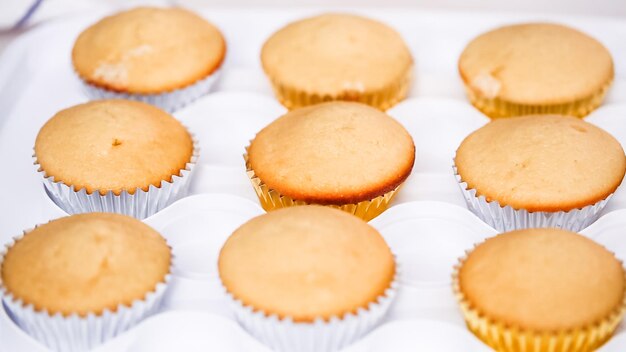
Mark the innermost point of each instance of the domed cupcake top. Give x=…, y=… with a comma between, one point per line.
x=542, y=280
x=86, y=263
x=333, y=153
x=148, y=50
x=306, y=262
x=113, y=145
x=536, y=63
x=331, y=54
x=541, y=162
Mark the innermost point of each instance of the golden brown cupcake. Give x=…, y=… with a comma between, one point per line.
x=120, y=148
x=323, y=273
x=337, y=57
x=148, y=51
x=536, y=68
x=80, y=280
x=539, y=171
x=541, y=290
x=343, y=154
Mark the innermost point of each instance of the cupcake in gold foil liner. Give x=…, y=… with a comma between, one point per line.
x=334, y=57
x=511, y=338
x=345, y=155
x=382, y=99
x=271, y=199
x=536, y=68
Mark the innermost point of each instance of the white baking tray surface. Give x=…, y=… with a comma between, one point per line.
x=428, y=226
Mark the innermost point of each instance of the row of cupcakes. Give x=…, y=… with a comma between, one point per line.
x=170, y=57
x=308, y=278
x=532, y=171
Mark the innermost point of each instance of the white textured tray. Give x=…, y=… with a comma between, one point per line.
x=428, y=226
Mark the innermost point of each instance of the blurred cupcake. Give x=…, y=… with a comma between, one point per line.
x=346, y=155
x=308, y=278
x=163, y=56
x=541, y=290
x=115, y=156
x=337, y=57
x=78, y=281
x=539, y=171
x=536, y=68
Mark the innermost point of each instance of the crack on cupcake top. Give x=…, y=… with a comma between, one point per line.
x=148, y=50
x=112, y=73
x=116, y=72
x=487, y=84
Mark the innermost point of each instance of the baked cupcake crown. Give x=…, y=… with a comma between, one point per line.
x=85, y=264
x=541, y=281
x=536, y=68
x=113, y=145
x=306, y=263
x=541, y=163
x=332, y=153
x=337, y=57
x=148, y=50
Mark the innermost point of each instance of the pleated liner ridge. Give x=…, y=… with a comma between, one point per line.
x=141, y=204
x=271, y=199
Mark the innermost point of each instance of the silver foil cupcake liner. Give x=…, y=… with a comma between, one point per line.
x=506, y=218
x=320, y=335
x=75, y=333
x=140, y=204
x=169, y=101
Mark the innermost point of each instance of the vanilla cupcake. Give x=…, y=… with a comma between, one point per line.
x=78, y=281
x=163, y=56
x=541, y=290
x=346, y=155
x=337, y=57
x=536, y=68
x=308, y=278
x=539, y=171
x=116, y=156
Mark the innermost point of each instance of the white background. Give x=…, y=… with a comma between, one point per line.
x=12, y=10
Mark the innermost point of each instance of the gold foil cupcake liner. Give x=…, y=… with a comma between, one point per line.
x=283, y=334
x=382, y=99
x=498, y=108
x=271, y=199
x=75, y=333
x=139, y=204
x=505, y=338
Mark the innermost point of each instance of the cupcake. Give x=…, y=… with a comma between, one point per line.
x=163, y=56
x=78, y=281
x=346, y=155
x=115, y=156
x=541, y=290
x=536, y=68
x=308, y=278
x=337, y=57
x=539, y=171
